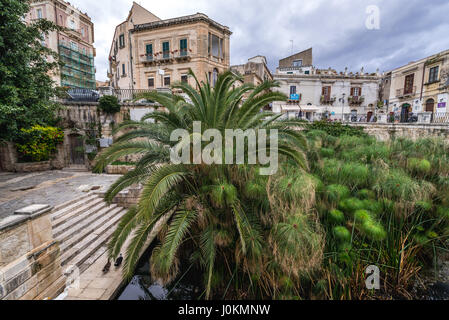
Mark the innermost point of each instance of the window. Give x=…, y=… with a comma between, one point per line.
x=408, y=86
x=121, y=39
x=292, y=90
x=149, y=51
x=167, y=81
x=307, y=72
x=61, y=22
x=82, y=32
x=215, y=46
x=433, y=74
x=297, y=63
x=184, y=78
x=215, y=77
x=123, y=70
x=39, y=13
x=183, y=47
x=150, y=82
x=356, y=92
x=72, y=24
x=166, y=49
x=326, y=92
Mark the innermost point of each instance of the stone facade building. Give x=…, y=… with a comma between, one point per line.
x=75, y=45
x=315, y=93
x=420, y=87
x=150, y=53
x=255, y=71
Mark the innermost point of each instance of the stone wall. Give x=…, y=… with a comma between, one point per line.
x=385, y=132
x=30, y=265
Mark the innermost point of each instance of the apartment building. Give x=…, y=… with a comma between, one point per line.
x=255, y=71
x=74, y=45
x=314, y=93
x=150, y=53
x=420, y=87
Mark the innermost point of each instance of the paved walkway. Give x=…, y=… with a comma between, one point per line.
x=18, y=190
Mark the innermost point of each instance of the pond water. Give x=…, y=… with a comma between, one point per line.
x=143, y=287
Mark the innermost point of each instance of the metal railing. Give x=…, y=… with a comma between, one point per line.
x=123, y=95
x=405, y=92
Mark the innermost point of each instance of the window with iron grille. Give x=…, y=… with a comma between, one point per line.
x=184, y=78
x=150, y=82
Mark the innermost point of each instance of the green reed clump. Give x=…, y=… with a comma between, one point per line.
x=337, y=192
x=336, y=216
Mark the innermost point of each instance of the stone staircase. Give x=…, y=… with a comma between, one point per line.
x=83, y=227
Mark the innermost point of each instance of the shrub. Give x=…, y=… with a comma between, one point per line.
x=362, y=216
x=336, y=129
x=109, y=104
x=38, y=143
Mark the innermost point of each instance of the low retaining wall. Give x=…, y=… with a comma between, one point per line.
x=119, y=169
x=385, y=132
x=30, y=265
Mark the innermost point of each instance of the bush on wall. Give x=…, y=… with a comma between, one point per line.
x=109, y=104
x=38, y=143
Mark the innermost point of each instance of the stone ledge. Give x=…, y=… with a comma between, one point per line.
x=22, y=215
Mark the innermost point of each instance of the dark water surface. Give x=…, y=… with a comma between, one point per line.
x=143, y=287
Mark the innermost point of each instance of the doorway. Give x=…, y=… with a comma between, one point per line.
x=430, y=105
x=76, y=149
x=369, y=116
x=405, y=112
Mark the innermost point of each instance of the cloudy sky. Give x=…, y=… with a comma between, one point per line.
x=336, y=29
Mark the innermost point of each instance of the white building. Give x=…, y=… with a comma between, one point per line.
x=316, y=93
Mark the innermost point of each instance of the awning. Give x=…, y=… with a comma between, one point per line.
x=291, y=108
x=300, y=108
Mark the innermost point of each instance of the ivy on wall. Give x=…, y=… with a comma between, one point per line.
x=38, y=143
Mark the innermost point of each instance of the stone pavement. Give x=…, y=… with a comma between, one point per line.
x=19, y=190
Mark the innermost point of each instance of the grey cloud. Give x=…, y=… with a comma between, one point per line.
x=410, y=29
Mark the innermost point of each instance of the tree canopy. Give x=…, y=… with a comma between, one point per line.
x=26, y=89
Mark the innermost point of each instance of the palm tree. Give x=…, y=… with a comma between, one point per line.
x=217, y=216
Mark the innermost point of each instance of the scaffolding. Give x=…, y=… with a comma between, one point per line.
x=78, y=70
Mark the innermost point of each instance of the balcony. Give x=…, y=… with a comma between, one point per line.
x=356, y=100
x=406, y=92
x=326, y=100
x=165, y=58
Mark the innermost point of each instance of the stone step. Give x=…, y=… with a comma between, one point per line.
x=83, y=250
x=73, y=214
x=88, y=226
x=71, y=225
x=71, y=202
x=58, y=213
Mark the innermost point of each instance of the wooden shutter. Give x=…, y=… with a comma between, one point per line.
x=352, y=92
x=360, y=91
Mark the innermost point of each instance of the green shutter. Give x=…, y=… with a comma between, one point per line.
x=166, y=46
x=149, y=49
